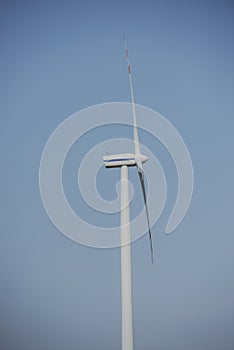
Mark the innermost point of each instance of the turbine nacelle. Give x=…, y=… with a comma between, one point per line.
x=118, y=160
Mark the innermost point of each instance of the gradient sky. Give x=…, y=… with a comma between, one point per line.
x=58, y=57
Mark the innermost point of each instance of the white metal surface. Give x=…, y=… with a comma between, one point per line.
x=126, y=273
x=117, y=160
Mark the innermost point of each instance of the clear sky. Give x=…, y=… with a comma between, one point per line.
x=58, y=57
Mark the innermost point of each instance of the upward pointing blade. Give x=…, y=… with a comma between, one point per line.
x=135, y=131
x=141, y=176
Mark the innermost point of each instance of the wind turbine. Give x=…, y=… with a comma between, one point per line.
x=124, y=161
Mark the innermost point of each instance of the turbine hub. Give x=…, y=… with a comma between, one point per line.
x=142, y=158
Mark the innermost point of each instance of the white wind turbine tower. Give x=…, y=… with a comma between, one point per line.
x=124, y=161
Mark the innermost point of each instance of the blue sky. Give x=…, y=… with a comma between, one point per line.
x=58, y=57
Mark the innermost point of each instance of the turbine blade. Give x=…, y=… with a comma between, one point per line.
x=141, y=176
x=135, y=130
